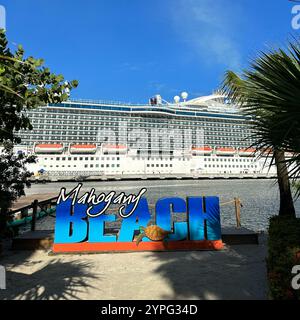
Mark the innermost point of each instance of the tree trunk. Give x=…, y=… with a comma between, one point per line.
x=286, y=200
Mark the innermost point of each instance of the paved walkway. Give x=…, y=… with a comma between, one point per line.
x=235, y=273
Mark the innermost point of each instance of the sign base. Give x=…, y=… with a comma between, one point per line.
x=143, y=246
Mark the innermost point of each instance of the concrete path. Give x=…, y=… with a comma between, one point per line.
x=235, y=273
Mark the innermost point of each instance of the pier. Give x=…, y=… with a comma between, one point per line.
x=86, y=176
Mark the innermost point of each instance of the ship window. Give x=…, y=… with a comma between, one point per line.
x=92, y=158
x=91, y=166
x=57, y=159
x=102, y=165
x=63, y=158
x=118, y=166
x=107, y=166
x=80, y=158
x=69, y=159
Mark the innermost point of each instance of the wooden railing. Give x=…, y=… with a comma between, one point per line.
x=237, y=206
x=44, y=205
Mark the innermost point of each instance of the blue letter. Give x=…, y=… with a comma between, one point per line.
x=200, y=212
x=139, y=218
x=70, y=228
x=163, y=217
x=96, y=229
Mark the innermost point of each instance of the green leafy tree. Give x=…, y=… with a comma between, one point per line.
x=269, y=92
x=25, y=83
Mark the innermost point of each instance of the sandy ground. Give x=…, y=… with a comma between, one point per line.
x=238, y=272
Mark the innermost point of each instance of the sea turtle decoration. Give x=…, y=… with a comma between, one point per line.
x=153, y=233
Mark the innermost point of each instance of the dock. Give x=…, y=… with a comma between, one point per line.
x=87, y=176
x=28, y=200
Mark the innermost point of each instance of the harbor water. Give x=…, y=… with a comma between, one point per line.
x=260, y=198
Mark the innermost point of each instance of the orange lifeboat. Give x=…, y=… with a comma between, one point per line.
x=225, y=151
x=83, y=148
x=114, y=149
x=48, y=148
x=198, y=151
x=289, y=154
x=247, y=152
x=267, y=153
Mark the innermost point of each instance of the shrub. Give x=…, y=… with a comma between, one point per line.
x=283, y=254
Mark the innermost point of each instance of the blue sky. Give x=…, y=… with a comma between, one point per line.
x=129, y=50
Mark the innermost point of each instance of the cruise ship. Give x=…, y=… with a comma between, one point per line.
x=198, y=137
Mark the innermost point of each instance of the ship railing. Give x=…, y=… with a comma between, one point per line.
x=107, y=102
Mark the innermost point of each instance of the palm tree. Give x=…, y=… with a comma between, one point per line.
x=269, y=93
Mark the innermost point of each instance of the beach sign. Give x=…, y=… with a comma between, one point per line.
x=81, y=223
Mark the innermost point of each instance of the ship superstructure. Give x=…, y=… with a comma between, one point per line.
x=206, y=135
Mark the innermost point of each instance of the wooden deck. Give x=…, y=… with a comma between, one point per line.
x=44, y=239
x=27, y=200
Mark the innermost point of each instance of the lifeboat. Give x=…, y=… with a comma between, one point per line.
x=247, y=152
x=198, y=151
x=114, y=149
x=83, y=148
x=288, y=154
x=267, y=153
x=48, y=148
x=225, y=151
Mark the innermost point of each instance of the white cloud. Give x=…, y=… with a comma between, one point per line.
x=208, y=27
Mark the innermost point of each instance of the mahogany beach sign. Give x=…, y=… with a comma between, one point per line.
x=81, y=223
